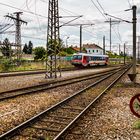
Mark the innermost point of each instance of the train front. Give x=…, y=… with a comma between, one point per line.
x=77, y=60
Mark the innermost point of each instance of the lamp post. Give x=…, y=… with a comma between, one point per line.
x=67, y=41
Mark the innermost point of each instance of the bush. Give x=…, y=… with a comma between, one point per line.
x=6, y=65
x=39, y=53
x=136, y=124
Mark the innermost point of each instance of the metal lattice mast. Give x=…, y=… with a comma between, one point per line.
x=52, y=39
x=18, y=21
x=18, y=35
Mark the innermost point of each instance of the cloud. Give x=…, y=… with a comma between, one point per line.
x=37, y=26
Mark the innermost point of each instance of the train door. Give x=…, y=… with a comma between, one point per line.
x=106, y=60
x=85, y=61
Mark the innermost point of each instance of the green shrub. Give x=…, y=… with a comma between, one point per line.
x=136, y=124
x=6, y=65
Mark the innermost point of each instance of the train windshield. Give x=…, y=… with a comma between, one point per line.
x=77, y=57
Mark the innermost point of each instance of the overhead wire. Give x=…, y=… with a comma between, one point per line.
x=129, y=3
x=103, y=14
x=71, y=13
x=98, y=9
x=37, y=16
x=100, y=6
x=29, y=12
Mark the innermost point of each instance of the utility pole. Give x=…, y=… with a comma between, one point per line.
x=111, y=23
x=53, y=40
x=81, y=27
x=134, y=8
x=18, y=21
x=110, y=34
x=103, y=45
x=67, y=41
x=119, y=49
x=80, y=38
x=124, y=54
x=138, y=48
x=119, y=53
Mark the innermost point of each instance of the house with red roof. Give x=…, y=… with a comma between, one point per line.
x=93, y=49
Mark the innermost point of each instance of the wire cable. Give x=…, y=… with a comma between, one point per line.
x=129, y=3
x=29, y=12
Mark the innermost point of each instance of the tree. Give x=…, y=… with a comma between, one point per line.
x=25, y=49
x=39, y=53
x=28, y=48
x=6, y=48
x=121, y=54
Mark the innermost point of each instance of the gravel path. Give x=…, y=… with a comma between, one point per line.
x=9, y=83
x=111, y=119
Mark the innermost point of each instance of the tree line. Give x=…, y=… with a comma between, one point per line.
x=39, y=52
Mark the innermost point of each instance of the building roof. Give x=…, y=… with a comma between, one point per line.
x=92, y=46
x=76, y=49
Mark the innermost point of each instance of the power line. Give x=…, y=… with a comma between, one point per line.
x=118, y=18
x=98, y=9
x=26, y=36
x=100, y=6
x=103, y=14
x=129, y=3
x=29, y=12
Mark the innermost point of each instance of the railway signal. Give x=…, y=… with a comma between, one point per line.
x=135, y=105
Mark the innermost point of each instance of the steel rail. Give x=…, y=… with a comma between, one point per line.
x=71, y=124
x=55, y=81
x=22, y=73
x=46, y=86
x=34, y=119
x=30, y=72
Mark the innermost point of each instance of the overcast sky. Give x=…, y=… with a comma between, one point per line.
x=36, y=29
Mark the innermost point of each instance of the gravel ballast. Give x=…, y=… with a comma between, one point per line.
x=9, y=83
x=111, y=118
x=17, y=110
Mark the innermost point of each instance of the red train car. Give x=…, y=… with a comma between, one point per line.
x=85, y=60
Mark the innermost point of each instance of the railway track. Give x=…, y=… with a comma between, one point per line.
x=56, y=121
x=49, y=85
x=22, y=73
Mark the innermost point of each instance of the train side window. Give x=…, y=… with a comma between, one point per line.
x=95, y=58
x=77, y=57
x=89, y=58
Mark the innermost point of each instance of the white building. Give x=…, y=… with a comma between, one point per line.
x=93, y=49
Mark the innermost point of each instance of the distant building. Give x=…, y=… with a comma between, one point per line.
x=93, y=49
x=75, y=48
x=28, y=56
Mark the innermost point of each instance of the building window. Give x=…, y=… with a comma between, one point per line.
x=96, y=50
x=89, y=51
x=93, y=51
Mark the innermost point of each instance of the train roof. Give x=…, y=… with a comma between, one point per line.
x=87, y=54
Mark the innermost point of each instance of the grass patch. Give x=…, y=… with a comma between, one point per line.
x=136, y=124
x=119, y=85
x=6, y=66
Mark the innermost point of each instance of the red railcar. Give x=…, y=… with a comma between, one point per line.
x=85, y=60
